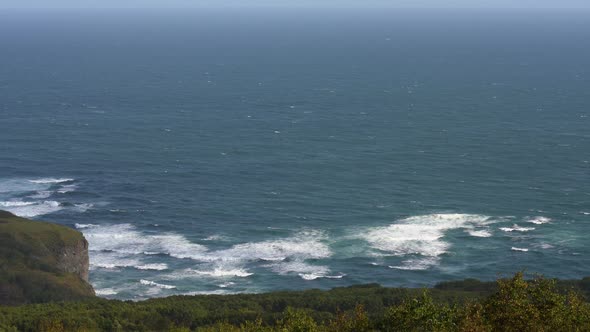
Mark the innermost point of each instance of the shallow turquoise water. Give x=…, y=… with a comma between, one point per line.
x=222, y=152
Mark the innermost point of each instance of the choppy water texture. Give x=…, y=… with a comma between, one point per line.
x=248, y=151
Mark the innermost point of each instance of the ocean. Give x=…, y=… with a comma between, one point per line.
x=250, y=150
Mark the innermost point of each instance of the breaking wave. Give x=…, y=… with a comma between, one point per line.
x=51, y=180
x=539, y=220
x=155, y=284
x=516, y=228
x=423, y=236
x=31, y=209
x=36, y=197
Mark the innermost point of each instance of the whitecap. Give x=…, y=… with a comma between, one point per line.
x=303, y=245
x=156, y=266
x=539, y=220
x=422, y=235
x=41, y=194
x=83, y=207
x=417, y=264
x=80, y=226
x=301, y=268
x=15, y=203
x=125, y=239
x=516, y=228
x=31, y=209
x=519, y=249
x=214, y=238
x=50, y=180
x=20, y=186
x=216, y=272
x=155, y=284
x=111, y=260
x=213, y=292
x=67, y=188
x=309, y=276
x=479, y=233
x=105, y=292
x=226, y=284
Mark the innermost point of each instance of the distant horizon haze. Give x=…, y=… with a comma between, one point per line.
x=175, y=4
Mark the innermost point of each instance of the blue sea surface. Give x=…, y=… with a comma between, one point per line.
x=212, y=151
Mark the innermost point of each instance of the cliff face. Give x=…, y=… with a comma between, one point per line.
x=41, y=262
x=74, y=259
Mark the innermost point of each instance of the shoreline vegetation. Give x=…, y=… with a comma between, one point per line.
x=510, y=304
x=43, y=287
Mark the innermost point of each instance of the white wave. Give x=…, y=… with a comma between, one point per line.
x=214, y=238
x=122, y=245
x=213, y=292
x=215, y=272
x=422, y=235
x=155, y=284
x=112, y=260
x=516, y=228
x=301, y=268
x=155, y=266
x=479, y=232
x=303, y=245
x=80, y=226
x=50, y=180
x=31, y=209
x=417, y=264
x=67, y=188
x=15, y=203
x=312, y=276
x=42, y=194
x=105, y=292
x=586, y=213
x=19, y=186
x=226, y=284
x=83, y=207
x=539, y=220
x=519, y=249
x=125, y=239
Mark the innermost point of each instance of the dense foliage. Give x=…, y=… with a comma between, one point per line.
x=512, y=304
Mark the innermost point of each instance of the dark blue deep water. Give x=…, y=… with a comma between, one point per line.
x=254, y=150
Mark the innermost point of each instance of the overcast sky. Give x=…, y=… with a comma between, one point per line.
x=295, y=3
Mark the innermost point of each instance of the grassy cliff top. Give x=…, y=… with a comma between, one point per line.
x=45, y=236
x=31, y=256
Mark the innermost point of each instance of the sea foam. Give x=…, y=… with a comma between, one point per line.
x=51, y=180
x=539, y=220
x=421, y=235
x=155, y=284
x=424, y=236
x=31, y=209
x=516, y=228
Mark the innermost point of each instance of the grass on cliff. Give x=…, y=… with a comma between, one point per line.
x=29, y=253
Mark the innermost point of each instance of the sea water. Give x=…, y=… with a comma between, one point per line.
x=226, y=151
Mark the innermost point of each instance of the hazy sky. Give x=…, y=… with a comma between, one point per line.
x=295, y=3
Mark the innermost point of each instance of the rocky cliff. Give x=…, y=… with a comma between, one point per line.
x=41, y=262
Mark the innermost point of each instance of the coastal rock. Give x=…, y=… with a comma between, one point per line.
x=74, y=259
